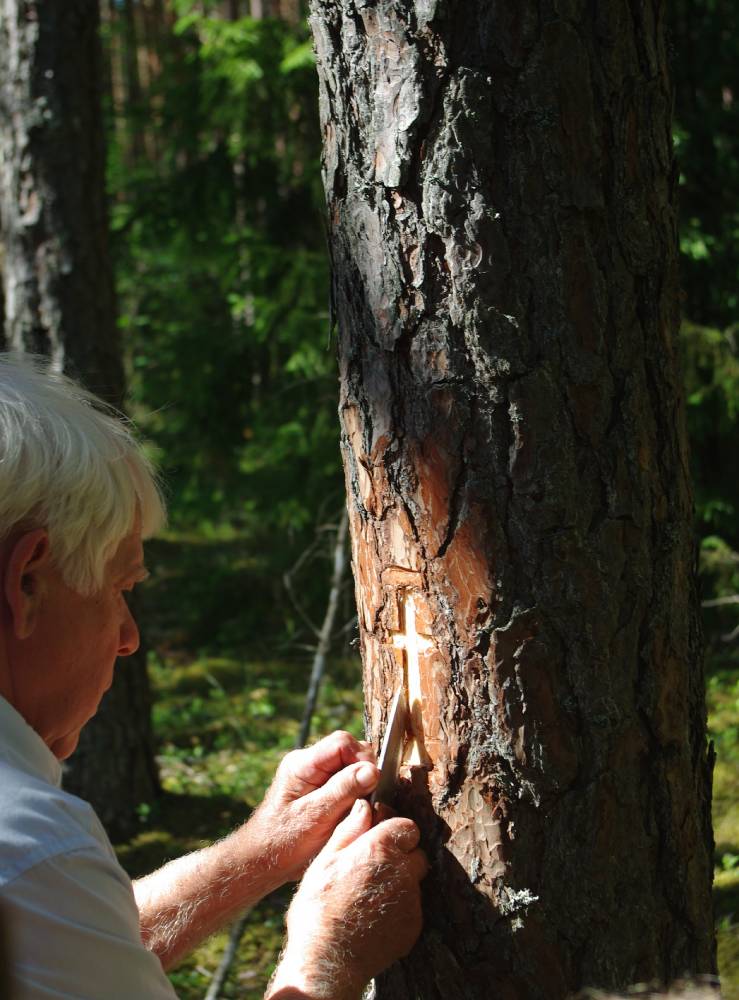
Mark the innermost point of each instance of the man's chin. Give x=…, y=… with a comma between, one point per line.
x=66, y=745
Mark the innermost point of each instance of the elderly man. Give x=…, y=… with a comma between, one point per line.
x=76, y=498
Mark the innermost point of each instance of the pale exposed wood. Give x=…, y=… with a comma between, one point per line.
x=413, y=646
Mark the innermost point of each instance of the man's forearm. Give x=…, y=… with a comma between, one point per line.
x=302, y=977
x=190, y=898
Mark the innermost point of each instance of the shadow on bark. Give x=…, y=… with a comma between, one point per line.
x=450, y=901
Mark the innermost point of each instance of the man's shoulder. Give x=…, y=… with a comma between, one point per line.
x=39, y=821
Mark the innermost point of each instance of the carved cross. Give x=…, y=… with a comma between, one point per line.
x=412, y=642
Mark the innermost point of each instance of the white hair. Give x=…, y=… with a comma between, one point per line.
x=70, y=464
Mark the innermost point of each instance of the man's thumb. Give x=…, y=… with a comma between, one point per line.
x=352, y=826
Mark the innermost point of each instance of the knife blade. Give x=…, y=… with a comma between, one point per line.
x=392, y=749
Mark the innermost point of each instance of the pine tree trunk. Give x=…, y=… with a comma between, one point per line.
x=59, y=300
x=501, y=201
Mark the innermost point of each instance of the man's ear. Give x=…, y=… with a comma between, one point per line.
x=23, y=582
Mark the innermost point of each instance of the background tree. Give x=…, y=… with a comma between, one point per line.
x=501, y=197
x=59, y=301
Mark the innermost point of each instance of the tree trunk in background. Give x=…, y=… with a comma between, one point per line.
x=501, y=201
x=133, y=103
x=259, y=9
x=59, y=301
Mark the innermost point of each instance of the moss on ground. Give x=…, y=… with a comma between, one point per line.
x=723, y=700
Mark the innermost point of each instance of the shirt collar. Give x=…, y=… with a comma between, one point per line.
x=23, y=747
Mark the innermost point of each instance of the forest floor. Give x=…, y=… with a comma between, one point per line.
x=223, y=718
x=723, y=721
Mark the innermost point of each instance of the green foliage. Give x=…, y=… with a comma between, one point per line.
x=723, y=701
x=706, y=40
x=222, y=278
x=706, y=49
x=711, y=365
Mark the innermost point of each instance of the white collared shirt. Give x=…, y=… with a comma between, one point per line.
x=67, y=905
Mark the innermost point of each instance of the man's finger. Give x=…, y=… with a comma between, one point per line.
x=340, y=791
x=418, y=864
x=352, y=826
x=398, y=832
x=315, y=765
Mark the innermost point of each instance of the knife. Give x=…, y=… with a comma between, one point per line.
x=392, y=749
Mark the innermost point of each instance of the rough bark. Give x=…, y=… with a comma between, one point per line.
x=501, y=201
x=59, y=301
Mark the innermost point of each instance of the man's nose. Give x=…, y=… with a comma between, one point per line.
x=129, y=635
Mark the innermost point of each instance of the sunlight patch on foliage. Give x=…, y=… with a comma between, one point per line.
x=723, y=700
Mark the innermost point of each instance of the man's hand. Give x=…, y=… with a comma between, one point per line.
x=357, y=910
x=195, y=895
x=312, y=791
x=191, y=897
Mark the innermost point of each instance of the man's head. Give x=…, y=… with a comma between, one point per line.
x=70, y=465
x=76, y=497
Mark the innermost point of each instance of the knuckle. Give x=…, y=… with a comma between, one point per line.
x=403, y=827
x=342, y=736
x=388, y=831
x=402, y=833
x=373, y=853
x=288, y=761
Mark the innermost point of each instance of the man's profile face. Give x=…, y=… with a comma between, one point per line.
x=57, y=674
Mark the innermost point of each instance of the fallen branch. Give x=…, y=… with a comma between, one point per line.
x=227, y=958
x=718, y=602
x=327, y=628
